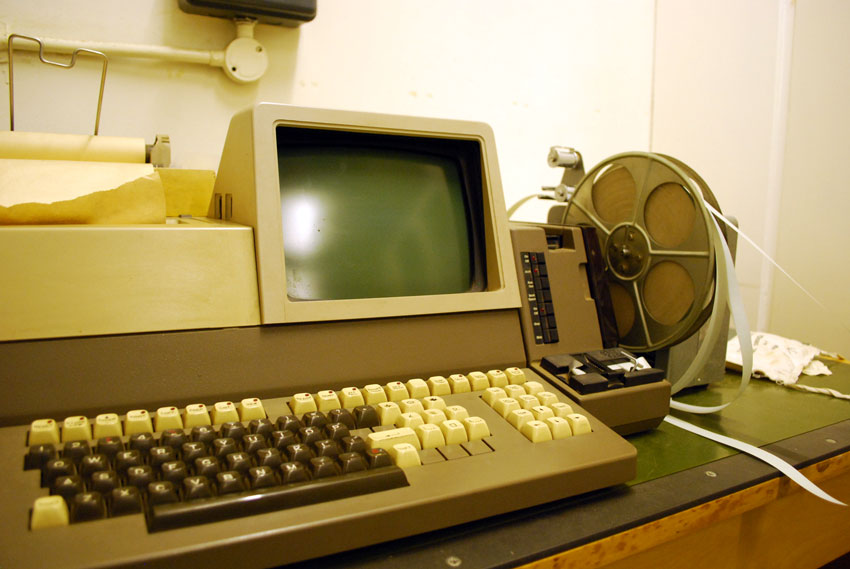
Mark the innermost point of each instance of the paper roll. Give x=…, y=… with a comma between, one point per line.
x=43, y=146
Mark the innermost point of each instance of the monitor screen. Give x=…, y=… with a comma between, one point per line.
x=366, y=215
x=369, y=216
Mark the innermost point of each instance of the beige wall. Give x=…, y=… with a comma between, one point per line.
x=813, y=237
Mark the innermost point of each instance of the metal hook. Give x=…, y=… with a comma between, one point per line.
x=68, y=65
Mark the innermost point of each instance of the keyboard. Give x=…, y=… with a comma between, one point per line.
x=261, y=483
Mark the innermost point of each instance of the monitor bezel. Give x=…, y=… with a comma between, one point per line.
x=248, y=172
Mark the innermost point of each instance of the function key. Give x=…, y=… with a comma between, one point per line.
x=459, y=383
x=107, y=425
x=76, y=429
x=327, y=399
x=396, y=391
x=417, y=388
x=196, y=415
x=44, y=432
x=515, y=375
x=478, y=381
x=302, y=403
x=251, y=408
x=351, y=397
x=167, y=418
x=374, y=394
x=137, y=421
x=497, y=378
x=438, y=385
x=224, y=412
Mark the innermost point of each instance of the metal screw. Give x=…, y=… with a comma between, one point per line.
x=711, y=474
x=453, y=561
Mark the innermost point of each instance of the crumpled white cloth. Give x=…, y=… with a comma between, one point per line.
x=780, y=359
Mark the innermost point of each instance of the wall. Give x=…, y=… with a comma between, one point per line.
x=541, y=73
x=813, y=240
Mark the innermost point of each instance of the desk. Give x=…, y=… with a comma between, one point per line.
x=694, y=503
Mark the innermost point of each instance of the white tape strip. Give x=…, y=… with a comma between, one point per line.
x=758, y=453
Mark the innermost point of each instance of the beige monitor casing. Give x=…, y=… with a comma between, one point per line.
x=247, y=186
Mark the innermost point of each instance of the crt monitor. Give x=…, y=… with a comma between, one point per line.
x=363, y=215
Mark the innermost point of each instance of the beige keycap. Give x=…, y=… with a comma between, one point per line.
x=430, y=435
x=515, y=376
x=302, y=403
x=533, y=387
x=435, y=416
x=374, y=394
x=456, y=412
x=106, y=425
x=536, y=431
x=434, y=402
x=327, y=400
x=515, y=391
x=493, y=394
x=196, y=415
x=386, y=439
x=411, y=406
x=528, y=401
x=560, y=427
x=497, y=378
x=224, y=412
x=137, y=421
x=167, y=418
x=519, y=417
x=459, y=383
x=453, y=431
x=409, y=420
x=351, y=397
x=546, y=397
x=405, y=455
x=251, y=408
x=478, y=381
x=396, y=391
x=76, y=428
x=505, y=405
x=561, y=409
x=48, y=512
x=417, y=388
x=439, y=385
x=44, y=432
x=578, y=423
x=476, y=428
x=388, y=412
x=541, y=412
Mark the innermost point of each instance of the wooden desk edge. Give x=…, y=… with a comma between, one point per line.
x=653, y=534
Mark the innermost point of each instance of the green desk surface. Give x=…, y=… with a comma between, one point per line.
x=765, y=413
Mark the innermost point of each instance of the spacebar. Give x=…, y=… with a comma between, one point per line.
x=229, y=506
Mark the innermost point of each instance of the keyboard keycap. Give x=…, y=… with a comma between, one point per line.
x=49, y=511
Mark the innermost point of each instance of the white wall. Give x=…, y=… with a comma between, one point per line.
x=540, y=73
x=813, y=238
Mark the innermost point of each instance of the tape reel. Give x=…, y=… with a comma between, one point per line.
x=654, y=232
